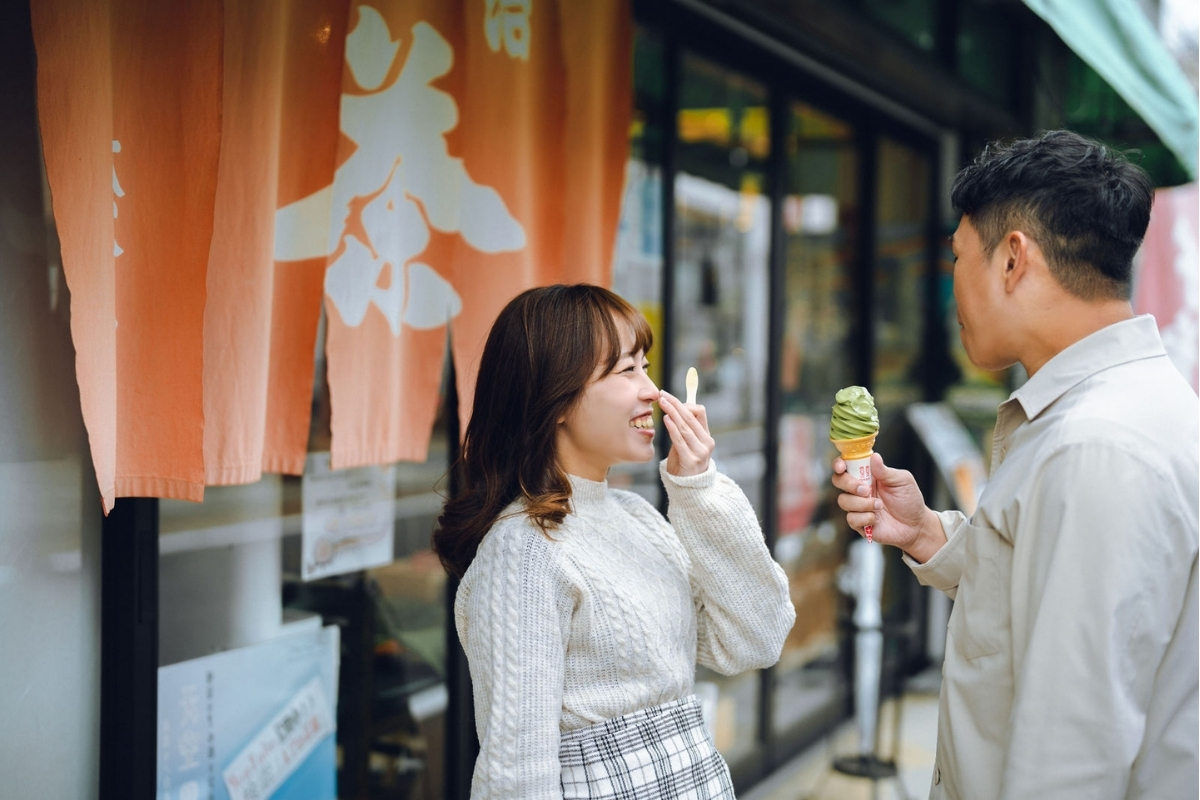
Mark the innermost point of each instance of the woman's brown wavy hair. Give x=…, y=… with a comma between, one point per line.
x=541, y=353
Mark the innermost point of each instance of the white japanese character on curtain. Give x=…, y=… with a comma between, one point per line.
x=400, y=181
x=506, y=23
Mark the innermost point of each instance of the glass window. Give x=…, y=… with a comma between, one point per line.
x=902, y=226
x=901, y=263
x=820, y=214
x=230, y=576
x=638, y=257
x=720, y=305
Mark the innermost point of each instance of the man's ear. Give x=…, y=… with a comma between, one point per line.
x=1018, y=251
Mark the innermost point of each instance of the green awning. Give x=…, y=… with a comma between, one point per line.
x=1116, y=39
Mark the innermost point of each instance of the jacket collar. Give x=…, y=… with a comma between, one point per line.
x=1129, y=340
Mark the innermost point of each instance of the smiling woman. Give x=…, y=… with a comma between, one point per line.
x=583, y=611
x=613, y=421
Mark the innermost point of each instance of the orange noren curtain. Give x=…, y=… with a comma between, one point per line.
x=220, y=170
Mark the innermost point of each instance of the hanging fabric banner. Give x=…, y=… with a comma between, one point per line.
x=482, y=153
x=131, y=126
x=545, y=120
x=216, y=169
x=308, y=146
x=283, y=67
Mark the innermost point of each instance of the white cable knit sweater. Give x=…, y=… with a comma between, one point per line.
x=609, y=617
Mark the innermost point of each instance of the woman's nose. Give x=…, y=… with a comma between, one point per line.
x=649, y=391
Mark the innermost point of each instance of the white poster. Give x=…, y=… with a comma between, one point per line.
x=348, y=518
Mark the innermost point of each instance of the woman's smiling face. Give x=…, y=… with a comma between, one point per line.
x=613, y=422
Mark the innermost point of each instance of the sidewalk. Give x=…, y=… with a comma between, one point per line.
x=810, y=775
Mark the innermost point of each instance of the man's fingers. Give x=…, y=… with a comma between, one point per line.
x=852, y=484
x=858, y=521
x=846, y=482
x=884, y=474
x=854, y=503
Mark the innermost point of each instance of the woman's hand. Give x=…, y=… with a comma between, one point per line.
x=691, y=443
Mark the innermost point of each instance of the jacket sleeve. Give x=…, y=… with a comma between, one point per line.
x=1098, y=589
x=743, y=607
x=513, y=614
x=944, y=570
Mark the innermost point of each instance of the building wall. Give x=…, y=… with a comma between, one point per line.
x=49, y=508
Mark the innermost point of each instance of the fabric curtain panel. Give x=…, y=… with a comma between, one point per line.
x=218, y=171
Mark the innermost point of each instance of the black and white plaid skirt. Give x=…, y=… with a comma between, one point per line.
x=660, y=752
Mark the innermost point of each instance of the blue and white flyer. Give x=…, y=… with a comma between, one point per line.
x=255, y=723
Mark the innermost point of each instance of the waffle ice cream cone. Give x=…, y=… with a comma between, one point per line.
x=857, y=455
x=854, y=449
x=854, y=412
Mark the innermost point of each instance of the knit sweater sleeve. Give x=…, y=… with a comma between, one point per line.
x=513, y=612
x=743, y=606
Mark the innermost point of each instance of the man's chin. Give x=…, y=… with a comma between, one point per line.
x=989, y=364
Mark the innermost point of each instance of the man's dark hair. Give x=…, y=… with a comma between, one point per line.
x=1084, y=203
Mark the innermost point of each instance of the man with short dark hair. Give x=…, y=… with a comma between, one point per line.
x=1071, y=664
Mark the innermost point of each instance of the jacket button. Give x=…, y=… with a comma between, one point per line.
x=937, y=776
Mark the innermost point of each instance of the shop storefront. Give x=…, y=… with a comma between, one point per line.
x=782, y=226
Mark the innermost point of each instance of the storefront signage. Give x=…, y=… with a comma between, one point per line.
x=251, y=723
x=279, y=748
x=348, y=518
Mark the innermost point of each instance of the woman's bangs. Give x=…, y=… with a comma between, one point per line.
x=642, y=335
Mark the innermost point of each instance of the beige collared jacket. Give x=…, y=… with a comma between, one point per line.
x=1071, y=661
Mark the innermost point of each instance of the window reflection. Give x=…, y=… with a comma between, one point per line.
x=720, y=308
x=820, y=219
x=638, y=255
x=901, y=264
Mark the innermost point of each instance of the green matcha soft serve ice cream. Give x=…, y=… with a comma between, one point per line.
x=854, y=414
